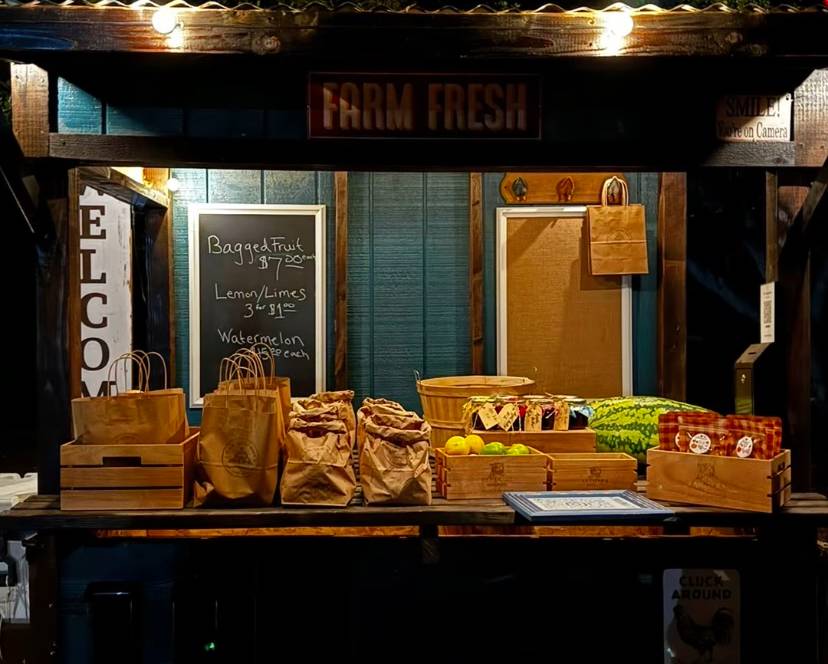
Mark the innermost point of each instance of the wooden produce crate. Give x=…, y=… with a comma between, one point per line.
x=757, y=485
x=575, y=440
x=127, y=477
x=484, y=476
x=591, y=471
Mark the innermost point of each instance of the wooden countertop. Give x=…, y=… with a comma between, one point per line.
x=42, y=513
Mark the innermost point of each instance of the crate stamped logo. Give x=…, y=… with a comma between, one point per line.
x=497, y=474
x=706, y=479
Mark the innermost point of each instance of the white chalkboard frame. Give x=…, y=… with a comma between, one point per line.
x=316, y=213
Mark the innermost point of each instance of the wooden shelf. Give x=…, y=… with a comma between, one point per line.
x=42, y=513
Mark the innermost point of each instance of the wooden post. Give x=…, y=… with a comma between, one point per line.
x=341, y=260
x=73, y=308
x=476, y=271
x=672, y=288
x=58, y=328
x=153, y=286
x=771, y=227
x=30, y=109
x=794, y=321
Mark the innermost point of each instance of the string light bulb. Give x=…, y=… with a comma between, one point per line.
x=164, y=20
x=173, y=185
x=619, y=23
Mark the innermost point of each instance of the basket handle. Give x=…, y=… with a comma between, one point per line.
x=416, y=376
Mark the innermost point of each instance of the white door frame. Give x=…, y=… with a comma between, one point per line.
x=558, y=212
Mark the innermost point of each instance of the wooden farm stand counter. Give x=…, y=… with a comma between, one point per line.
x=783, y=545
x=806, y=511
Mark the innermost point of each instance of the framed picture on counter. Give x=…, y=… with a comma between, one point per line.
x=574, y=506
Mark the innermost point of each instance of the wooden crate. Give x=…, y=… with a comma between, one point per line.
x=484, y=476
x=127, y=477
x=590, y=471
x=576, y=440
x=757, y=485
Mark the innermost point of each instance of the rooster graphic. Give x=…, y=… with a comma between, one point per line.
x=704, y=638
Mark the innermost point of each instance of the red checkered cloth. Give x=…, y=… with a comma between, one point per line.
x=704, y=433
x=755, y=437
x=668, y=428
x=745, y=436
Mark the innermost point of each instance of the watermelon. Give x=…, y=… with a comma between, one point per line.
x=630, y=424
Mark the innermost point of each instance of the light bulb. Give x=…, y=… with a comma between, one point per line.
x=164, y=20
x=618, y=23
x=173, y=185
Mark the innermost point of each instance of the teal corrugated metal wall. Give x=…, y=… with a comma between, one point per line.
x=407, y=281
x=407, y=270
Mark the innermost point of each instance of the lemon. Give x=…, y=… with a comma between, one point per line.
x=456, y=446
x=475, y=443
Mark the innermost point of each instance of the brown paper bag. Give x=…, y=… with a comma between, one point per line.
x=369, y=407
x=260, y=379
x=617, y=234
x=135, y=417
x=394, y=462
x=318, y=469
x=342, y=399
x=238, y=448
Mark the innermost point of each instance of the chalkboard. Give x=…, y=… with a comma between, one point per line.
x=257, y=275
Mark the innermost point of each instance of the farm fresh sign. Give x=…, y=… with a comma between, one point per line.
x=423, y=106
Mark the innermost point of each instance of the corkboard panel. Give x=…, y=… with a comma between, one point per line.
x=563, y=324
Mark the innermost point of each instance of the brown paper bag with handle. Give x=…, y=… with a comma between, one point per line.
x=318, y=468
x=238, y=449
x=617, y=234
x=241, y=433
x=243, y=373
x=394, y=463
x=132, y=417
x=270, y=380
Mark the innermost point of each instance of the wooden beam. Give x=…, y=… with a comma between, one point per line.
x=42, y=556
x=765, y=155
x=811, y=119
x=73, y=263
x=672, y=288
x=771, y=227
x=815, y=200
x=476, y=322
x=30, y=108
x=444, y=36
x=794, y=314
x=341, y=285
x=124, y=188
x=476, y=155
x=152, y=287
x=54, y=334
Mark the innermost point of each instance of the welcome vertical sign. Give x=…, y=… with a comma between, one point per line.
x=105, y=289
